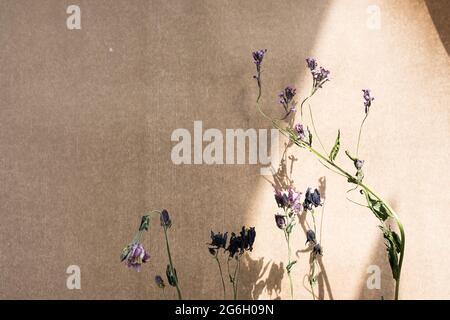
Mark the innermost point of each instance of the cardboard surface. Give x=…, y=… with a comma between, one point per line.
x=86, y=118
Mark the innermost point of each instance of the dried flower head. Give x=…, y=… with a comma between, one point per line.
x=136, y=256
x=310, y=237
x=286, y=98
x=320, y=75
x=258, y=56
x=280, y=221
x=300, y=131
x=288, y=200
x=358, y=164
x=312, y=199
x=367, y=99
x=165, y=219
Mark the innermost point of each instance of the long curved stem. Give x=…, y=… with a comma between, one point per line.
x=172, y=270
x=291, y=284
x=314, y=128
x=359, y=134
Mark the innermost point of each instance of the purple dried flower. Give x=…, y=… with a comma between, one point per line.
x=311, y=63
x=312, y=199
x=280, y=221
x=358, y=164
x=160, y=282
x=136, y=256
x=300, y=131
x=320, y=76
x=289, y=199
x=258, y=56
x=310, y=237
x=165, y=219
x=286, y=97
x=367, y=99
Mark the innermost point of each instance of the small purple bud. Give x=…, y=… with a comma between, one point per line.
x=165, y=219
x=280, y=221
x=160, y=282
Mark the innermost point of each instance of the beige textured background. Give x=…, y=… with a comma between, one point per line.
x=85, y=140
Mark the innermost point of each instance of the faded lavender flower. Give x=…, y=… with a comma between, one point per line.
x=358, y=164
x=258, y=57
x=160, y=282
x=300, y=131
x=286, y=98
x=312, y=199
x=165, y=219
x=367, y=99
x=311, y=63
x=289, y=199
x=136, y=256
x=280, y=221
x=310, y=237
x=320, y=75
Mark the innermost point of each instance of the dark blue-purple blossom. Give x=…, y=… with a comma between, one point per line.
x=367, y=99
x=165, y=219
x=312, y=199
x=320, y=75
x=244, y=241
x=280, y=221
x=248, y=236
x=310, y=237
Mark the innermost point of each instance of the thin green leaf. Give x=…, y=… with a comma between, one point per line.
x=334, y=152
x=290, y=265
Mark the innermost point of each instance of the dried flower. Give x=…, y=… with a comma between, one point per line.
x=280, y=221
x=312, y=199
x=310, y=237
x=317, y=250
x=286, y=97
x=358, y=164
x=311, y=63
x=136, y=256
x=320, y=76
x=367, y=99
x=218, y=240
x=300, y=131
x=160, y=282
x=288, y=200
x=165, y=219
x=258, y=56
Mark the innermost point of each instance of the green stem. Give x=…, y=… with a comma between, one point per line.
x=172, y=270
x=359, y=134
x=221, y=276
x=291, y=284
x=315, y=130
